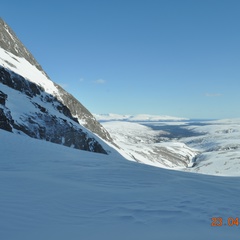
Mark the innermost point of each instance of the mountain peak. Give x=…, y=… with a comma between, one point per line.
x=10, y=42
x=31, y=104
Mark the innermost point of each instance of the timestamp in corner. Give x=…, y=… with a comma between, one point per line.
x=219, y=222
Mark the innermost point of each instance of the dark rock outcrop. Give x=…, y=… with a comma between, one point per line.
x=10, y=43
x=42, y=123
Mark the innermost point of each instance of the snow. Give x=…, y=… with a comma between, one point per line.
x=219, y=146
x=140, y=143
x=22, y=67
x=24, y=106
x=215, y=148
x=52, y=192
x=9, y=33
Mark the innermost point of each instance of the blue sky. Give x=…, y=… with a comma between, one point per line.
x=163, y=57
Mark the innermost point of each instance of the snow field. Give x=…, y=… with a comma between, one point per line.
x=53, y=192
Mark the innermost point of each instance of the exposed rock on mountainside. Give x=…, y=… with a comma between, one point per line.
x=31, y=104
x=10, y=42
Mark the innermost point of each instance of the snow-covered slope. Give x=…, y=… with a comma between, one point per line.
x=31, y=104
x=49, y=191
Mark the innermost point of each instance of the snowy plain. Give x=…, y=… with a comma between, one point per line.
x=49, y=191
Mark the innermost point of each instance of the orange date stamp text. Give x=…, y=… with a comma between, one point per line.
x=219, y=222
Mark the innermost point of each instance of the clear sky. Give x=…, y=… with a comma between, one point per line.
x=163, y=57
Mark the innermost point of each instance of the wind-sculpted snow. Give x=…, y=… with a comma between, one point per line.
x=49, y=191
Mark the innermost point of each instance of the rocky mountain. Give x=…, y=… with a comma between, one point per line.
x=10, y=42
x=31, y=104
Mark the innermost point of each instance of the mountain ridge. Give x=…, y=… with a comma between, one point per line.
x=20, y=72
x=10, y=42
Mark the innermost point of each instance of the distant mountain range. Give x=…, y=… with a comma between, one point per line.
x=136, y=118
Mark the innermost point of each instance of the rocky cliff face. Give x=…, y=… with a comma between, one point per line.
x=31, y=104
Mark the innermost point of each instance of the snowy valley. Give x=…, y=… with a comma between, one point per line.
x=201, y=146
x=68, y=174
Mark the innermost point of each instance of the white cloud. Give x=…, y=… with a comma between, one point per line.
x=100, y=81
